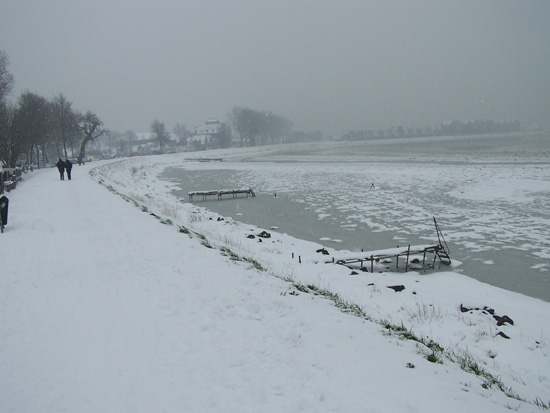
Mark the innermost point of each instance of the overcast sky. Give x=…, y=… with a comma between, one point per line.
x=326, y=65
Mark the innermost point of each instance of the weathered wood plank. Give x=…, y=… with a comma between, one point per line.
x=220, y=193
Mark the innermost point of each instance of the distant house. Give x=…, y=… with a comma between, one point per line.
x=213, y=134
x=146, y=144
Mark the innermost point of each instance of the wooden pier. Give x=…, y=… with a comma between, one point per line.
x=209, y=159
x=369, y=260
x=220, y=193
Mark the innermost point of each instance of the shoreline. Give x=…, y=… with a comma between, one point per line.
x=429, y=304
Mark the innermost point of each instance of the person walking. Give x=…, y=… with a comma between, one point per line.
x=61, y=168
x=68, y=168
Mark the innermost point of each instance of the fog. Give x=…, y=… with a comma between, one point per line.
x=332, y=66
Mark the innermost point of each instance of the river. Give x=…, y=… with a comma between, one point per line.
x=490, y=195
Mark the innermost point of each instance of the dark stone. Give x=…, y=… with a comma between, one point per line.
x=264, y=234
x=500, y=333
x=489, y=310
x=396, y=288
x=464, y=309
x=251, y=236
x=503, y=320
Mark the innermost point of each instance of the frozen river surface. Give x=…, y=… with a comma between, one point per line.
x=490, y=195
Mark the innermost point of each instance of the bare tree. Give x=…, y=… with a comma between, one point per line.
x=160, y=133
x=33, y=123
x=10, y=145
x=252, y=125
x=181, y=132
x=112, y=138
x=6, y=112
x=131, y=137
x=92, y=128
x=6, y=78
x=65, y=123
x=224, y=136
x=245, y=122
x=275, y=127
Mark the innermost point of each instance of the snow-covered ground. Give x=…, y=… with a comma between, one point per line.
x=115, y=296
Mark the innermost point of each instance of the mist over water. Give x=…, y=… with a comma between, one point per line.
x=490, y=196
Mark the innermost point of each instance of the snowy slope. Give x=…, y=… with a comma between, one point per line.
x=105, y=307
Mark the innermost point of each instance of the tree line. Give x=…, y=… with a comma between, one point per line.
x=259, y=127
x=454, y=128
x=37, y=127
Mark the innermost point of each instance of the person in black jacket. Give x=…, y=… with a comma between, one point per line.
x=61, y=168
x=68, y=167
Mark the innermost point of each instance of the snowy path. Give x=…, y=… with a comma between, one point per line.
x=102, y=308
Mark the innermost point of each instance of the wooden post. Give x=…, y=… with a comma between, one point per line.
x=300, y=259
x=397, y=260
x=407, y=264
x=371, y=264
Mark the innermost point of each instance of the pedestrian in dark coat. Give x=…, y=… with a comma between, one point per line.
x=68, y=167
x=61, y=168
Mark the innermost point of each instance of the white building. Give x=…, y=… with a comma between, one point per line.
x=210, y=135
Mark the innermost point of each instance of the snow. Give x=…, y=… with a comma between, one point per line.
x=115, y=296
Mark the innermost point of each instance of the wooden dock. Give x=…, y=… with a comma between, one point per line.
x=371, y=259
x=368, y=260
x=220, y=193
x=209, y=159
x=203, y=160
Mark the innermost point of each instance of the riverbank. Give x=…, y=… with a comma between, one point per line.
x=430, y=304
x=122, y=298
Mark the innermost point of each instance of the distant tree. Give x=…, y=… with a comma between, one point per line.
x=241, y=119
x=10, y=145
x=224, y=136
x=274, y=127
x=6, y=78
x=130, y=139
x=112, y=138
x=160, y=133
x=316, y=136
x=7, y=138
x=181, y=132
x=252, y=125
x=91, y=127
x=399, y=131
x=65, y=122
x=33, y=122
x=297, y=136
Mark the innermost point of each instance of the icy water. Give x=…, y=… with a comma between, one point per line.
x=490, y=195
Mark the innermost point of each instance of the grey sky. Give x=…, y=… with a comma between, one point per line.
x=332, y=66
